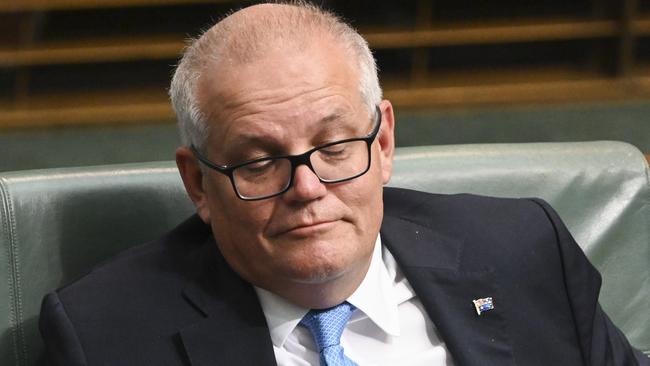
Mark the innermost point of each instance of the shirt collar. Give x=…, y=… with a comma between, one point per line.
x=377, y=297
x=282, y=316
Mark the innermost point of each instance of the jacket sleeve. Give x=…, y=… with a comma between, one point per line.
x=62, y=346
x=601, y=342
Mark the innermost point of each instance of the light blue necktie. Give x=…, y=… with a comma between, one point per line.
x=327, y=326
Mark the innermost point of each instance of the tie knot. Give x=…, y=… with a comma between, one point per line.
x=326, y=325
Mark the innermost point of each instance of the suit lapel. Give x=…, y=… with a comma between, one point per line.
x=431, y=263
x=234, y=329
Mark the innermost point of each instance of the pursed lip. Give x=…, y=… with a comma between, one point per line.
x=307, y=226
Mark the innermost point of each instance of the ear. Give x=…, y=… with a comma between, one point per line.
x=192, y=176
x=386, y=140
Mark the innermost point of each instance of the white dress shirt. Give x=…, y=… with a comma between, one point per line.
x=389, y=327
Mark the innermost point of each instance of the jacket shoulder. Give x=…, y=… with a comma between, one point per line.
x=130, y=304
x=407, y=202
x=165, y=252
x=492, y=230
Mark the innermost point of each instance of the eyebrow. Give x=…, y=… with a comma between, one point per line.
x=265, y=145
x=271, y=146
x=334, y=116
x=336, y=123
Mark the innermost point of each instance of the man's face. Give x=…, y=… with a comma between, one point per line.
x=287, y=103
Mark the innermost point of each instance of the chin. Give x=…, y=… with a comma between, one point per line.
x=324, y=259
x=316, y=271
x=317, y=279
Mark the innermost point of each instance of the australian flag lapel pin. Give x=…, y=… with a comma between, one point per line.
x=483, y=305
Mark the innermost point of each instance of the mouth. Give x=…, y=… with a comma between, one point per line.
x=307, y=229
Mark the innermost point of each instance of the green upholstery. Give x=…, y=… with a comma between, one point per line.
x=56, y=224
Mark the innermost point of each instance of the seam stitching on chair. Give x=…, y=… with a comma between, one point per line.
x=646, y=169
x=646, y=210
x=15, y=306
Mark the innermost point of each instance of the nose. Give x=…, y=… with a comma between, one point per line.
x=306, y=186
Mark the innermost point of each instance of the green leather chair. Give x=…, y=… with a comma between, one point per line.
x=56, y=224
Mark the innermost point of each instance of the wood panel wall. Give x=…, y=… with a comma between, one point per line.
x=68, y=62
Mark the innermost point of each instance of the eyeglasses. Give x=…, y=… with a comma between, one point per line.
x=334, y=162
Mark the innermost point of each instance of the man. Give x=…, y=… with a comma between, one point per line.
x=286, y=147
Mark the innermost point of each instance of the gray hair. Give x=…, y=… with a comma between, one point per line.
x=239, y=37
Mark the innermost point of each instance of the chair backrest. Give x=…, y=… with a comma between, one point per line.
x=57, y=223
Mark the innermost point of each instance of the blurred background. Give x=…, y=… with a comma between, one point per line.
x=83, y=82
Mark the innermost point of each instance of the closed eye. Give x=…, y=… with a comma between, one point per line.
x=333, y=150
x=257, y=167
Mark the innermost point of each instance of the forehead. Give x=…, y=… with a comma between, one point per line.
x=290, y=93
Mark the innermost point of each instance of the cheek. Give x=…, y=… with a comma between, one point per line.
x=241, y=221
x=365, y=199
x=238, y=233
x=230, y=211
x=236, y=224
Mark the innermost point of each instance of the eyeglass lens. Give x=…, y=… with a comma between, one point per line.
x=332, y=163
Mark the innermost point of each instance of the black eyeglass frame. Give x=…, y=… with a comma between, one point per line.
x=295, y=160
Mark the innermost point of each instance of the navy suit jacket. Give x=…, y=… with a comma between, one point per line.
x=175, y=301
